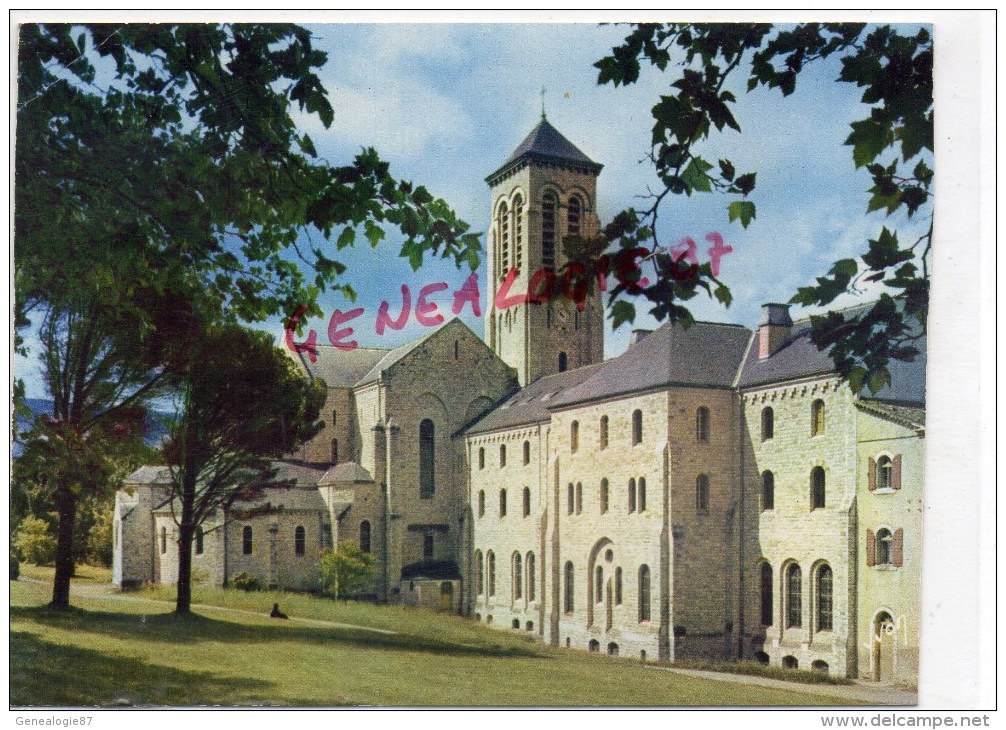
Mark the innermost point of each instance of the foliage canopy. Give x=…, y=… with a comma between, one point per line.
x=894, y=142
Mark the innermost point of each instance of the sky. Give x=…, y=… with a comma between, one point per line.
x=446, y=104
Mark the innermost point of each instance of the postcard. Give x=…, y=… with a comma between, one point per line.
x=435, y=362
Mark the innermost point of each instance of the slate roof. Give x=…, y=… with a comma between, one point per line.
x=341, y=368
x=348, y=471
x=546, y=144
x=150, y=475
x=529, y=405
x=706, y=354
x=302, y=495
x=798, y=357
x=908, y=416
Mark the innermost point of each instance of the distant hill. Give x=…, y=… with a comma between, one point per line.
x=154, y=427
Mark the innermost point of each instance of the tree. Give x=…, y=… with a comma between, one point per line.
x=242, y=403
x=35, y=542
x=99, y=379
x=157, y=170
x=347, y=570
x=894, y=142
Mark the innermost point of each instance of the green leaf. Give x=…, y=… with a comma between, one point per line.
x=346, y=238
x=727, y=170
x=695, y=175
x=744, y=210
x=374, y=233
x=622, y=312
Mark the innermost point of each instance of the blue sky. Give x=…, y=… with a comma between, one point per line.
x=446, y=104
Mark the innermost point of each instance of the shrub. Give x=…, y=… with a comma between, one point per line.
x=346, y=570
x=35, y=542
x=244, y=582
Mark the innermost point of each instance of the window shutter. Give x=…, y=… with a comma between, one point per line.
x=896, y=472
x=871, y=547
x=899, y=547
x=872, y=481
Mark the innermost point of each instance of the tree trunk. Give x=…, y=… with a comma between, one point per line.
x=67, y=509
x=186, y=529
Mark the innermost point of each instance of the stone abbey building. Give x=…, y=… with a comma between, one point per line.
x=714, y=491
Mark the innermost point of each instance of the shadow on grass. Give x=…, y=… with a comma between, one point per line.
x=45, y=674
x=170, y=628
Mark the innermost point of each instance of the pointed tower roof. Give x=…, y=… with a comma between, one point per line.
x=545, y=144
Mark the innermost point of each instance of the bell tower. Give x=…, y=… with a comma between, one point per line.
x=546, y=190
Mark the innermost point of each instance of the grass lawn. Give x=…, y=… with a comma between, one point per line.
x=113, y=646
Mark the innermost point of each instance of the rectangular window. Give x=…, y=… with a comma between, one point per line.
x=428, y=547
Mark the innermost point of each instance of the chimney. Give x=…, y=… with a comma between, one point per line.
x=773, y=328
x=638, y=336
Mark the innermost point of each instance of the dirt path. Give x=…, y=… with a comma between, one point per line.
x=104, y=592
x=874, y=694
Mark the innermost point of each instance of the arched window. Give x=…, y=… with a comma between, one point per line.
x=574, y=209
x=618, y=586
x=530, y=577
x=548, y=205
x=767, y=490
x=885, y=541
x=427, y=458
x=604, y=496
x=568, y=585
x=491, y=569
x=817, y=488
x=482, y=502
x=518, y=578
x=702, y=493
x=824, y=602
x=644, y=593
x=335, y=451
x=570, y=498
x=527, y=501
x=767, y=423
x=766, y=594
x=885, y=473
x=641, y=494
x=632, y=495
x=637, y=427
x=702, y=424
x=199, y=540
x=790, y=662
x=603, y=432
x=817, y=417
x=480, y=577
x=563, y=362
x=598, y=584
x=518, y=231
x=299, y=540
x=482, y=457
x=579, y=497
x=794, y=607
x=502, y=455
x=527, y=452
x=504, y=229
x=246, y=540
x=164, y=540
x=365, y=536
x=502, y=503
x=574, y=436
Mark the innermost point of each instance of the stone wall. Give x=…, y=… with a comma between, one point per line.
x=892, y=652
x=792, y=532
